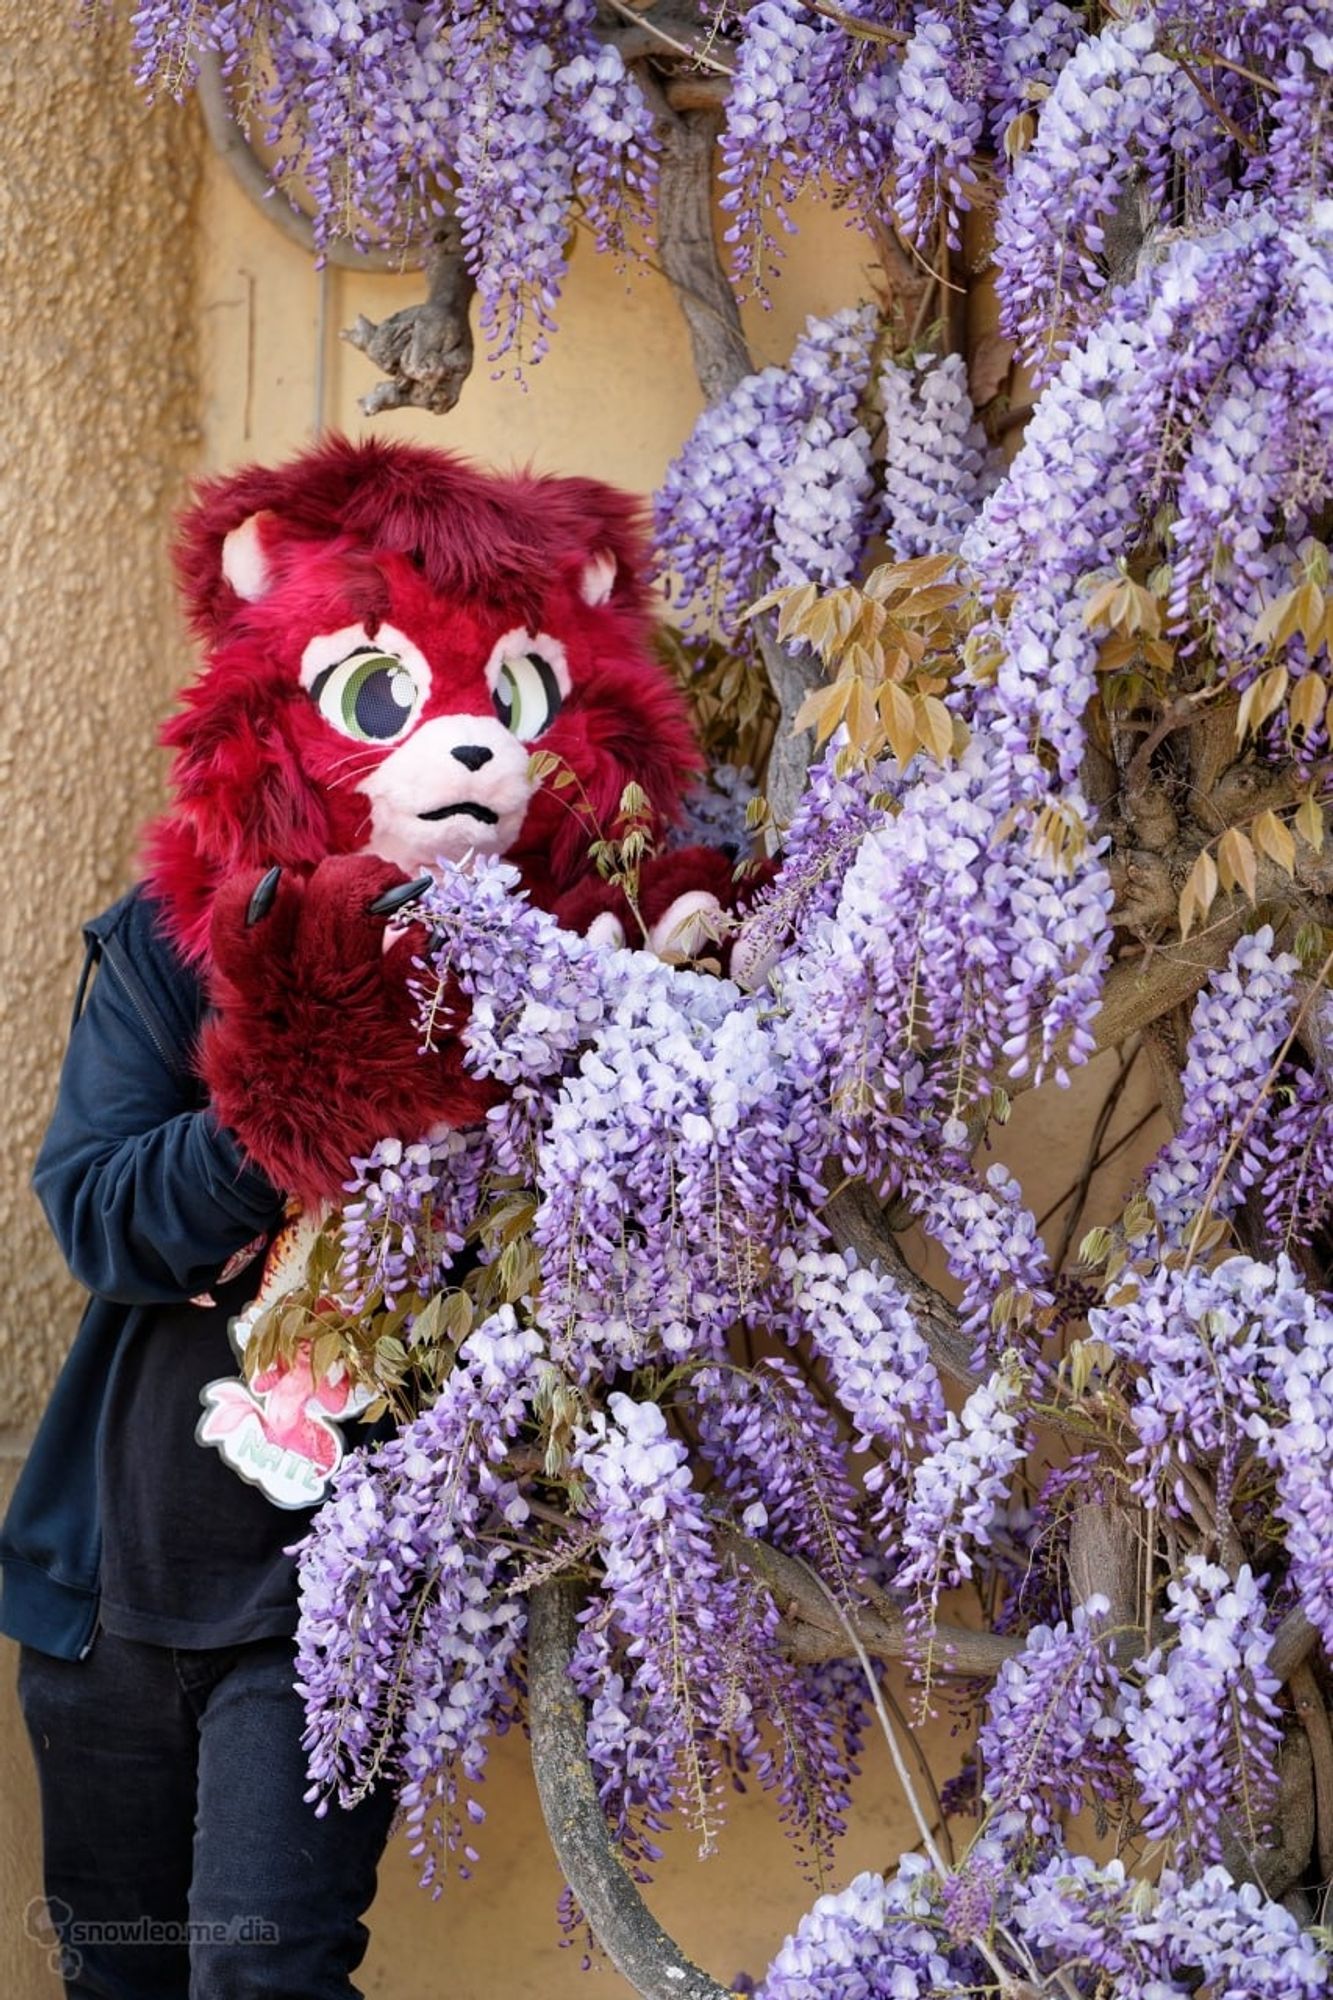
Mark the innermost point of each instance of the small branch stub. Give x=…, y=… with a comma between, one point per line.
x=425, y=351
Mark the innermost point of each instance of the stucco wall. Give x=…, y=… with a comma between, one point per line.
x=103, y=332
x=98, y=334
x=97, y=330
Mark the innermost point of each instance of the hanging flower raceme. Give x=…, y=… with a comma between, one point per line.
x=407, y=1635
x=1206, y=1349
x=938, y=123
x=957, y=950
x=1291, y=1157
x=769, y=114
x=957, y=1492
x=874, y=1939
x=1201, y=1733
x=1240, y=1022
x=1036, y=39
x=1157, y=1942
x=742, y=472
x=807, y=102
x=1048, y=1744
x=680, y=1662
x=1301, y=1448
x=1107, y=122
x=536, y=993
x=777, y=1454
x=1298, y=164
x=679, y=1157
x=407, y=1216
x=1259, y=467
x=666, y=1596
x=991, y=1243
x=937, y=467
x=383, y=107
x=838, y=807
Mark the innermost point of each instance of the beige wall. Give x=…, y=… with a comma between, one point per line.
x=97, y=329
x=153, y=327
x=98, y=335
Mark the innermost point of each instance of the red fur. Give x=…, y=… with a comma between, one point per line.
x=312, y=1051
x=454, y=557
x=310, y=1054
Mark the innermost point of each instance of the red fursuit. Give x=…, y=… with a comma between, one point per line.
x=389, y=634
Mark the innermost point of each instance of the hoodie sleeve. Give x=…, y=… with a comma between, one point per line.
x=147, y=1195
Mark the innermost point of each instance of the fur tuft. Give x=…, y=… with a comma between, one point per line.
x=492, y=537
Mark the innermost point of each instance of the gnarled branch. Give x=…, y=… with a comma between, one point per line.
x=426, y=349
x=621, y=1921
x=686, y=244
x=814, y=1631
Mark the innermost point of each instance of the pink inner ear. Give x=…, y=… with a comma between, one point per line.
x=244, y=563
x=598, y=578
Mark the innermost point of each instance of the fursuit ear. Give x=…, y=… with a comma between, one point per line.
x=597, y=578
x=246, y=565
x=598, y=536
x=227, y=543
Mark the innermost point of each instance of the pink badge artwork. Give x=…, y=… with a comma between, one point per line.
x=278, y=1429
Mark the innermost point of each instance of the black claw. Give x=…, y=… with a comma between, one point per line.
x=400, y=896
x=261, y=902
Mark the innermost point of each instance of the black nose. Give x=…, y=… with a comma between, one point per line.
x=474, y=755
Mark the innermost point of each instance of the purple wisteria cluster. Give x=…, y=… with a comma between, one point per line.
x=675, y=1130
x=1201, y=1730
x=406, y=1218
x=937, y=465
x=873, y=1939
x=1049, y=1741
x=777, y=1451
x=1225, y=1356
x=957, y=1492
x=1106, y=126
x=808, y=103
x=1127, y=424
x=957, y=953
x=866, y=1335
x=1240, y=1024
x=1090, y=1930
x=679, y=1657
x=777, y=472
x=665, y=1597
x=1157, y=1944
x=937, y=126
x=529, y=117
x=408, y=1634
x=523, y=114
x=653, y=1094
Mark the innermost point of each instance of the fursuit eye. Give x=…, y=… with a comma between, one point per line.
x=527, y=696
x=370, y=696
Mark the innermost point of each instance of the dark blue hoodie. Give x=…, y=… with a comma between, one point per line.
x=148, y=1197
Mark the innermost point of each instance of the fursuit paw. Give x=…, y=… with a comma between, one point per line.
x=688, y=926
x=312, y=1053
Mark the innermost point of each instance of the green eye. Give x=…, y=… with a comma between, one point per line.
x=527, y=696
x=370, y=696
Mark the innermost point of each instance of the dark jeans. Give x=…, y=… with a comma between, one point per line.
x=181, y=1858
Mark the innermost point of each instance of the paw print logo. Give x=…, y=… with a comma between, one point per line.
x=46, y=1919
